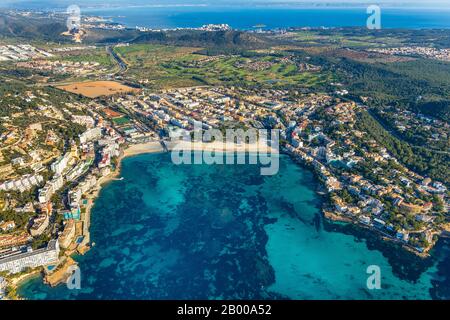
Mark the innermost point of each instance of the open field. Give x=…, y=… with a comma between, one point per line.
x=95, y=89
x=167, y=67
x=144, y=63
x=121, y=121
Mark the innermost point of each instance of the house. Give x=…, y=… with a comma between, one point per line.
x=341, y=207
x=405, y=181
x=402, y=235
x=427, y=206
x=65, y=239
x=397, y=200
x=7, y=226
x=365, y=220
x=39, y=225
x=354, y=210
x=378, y=223
x=18, y=161
x=424, y=218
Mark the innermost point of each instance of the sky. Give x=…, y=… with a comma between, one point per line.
x=57, y=3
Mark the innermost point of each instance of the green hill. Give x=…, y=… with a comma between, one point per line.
x=31, y=28
x=205, y=39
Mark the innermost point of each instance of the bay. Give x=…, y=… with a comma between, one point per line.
x=226, y=232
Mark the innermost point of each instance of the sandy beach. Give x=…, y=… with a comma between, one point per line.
x=146, y=148
x=149, y=147
x=218, y=146
x=156, y=147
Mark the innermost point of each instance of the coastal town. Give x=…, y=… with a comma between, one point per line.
x=70, y=113
x=426, y=52
x=49, y=181
x=21, y=52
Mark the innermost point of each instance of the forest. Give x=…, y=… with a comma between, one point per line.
x=419, y=159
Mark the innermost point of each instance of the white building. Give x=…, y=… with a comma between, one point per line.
x=90, y=135
x=57, y=182
x=75, y=197
x=50, y=188
x=87, y=184
x=61, y=164
x=45, y=193
x=31, y=259
x=84, y=120
x=25, y=183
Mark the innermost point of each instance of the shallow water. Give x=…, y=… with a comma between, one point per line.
x=225, y=231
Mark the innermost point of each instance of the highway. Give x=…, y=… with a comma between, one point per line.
x=122, y=65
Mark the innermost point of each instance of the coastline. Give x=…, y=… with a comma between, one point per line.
x=109, y=12
x=336, y=218
x=157, y=147
x=130, y=151
x=85, y=245
x=95, y=257
x=17, y=281
x=136, y=149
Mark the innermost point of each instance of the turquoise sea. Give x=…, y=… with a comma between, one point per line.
x=225, y=231
x=246, y=17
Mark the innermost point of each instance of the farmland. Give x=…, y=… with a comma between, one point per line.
x=95, y=89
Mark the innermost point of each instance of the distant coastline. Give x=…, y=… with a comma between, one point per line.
x=273, y=17
x=429, y=5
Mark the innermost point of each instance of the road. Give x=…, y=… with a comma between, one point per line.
x=122, y=65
